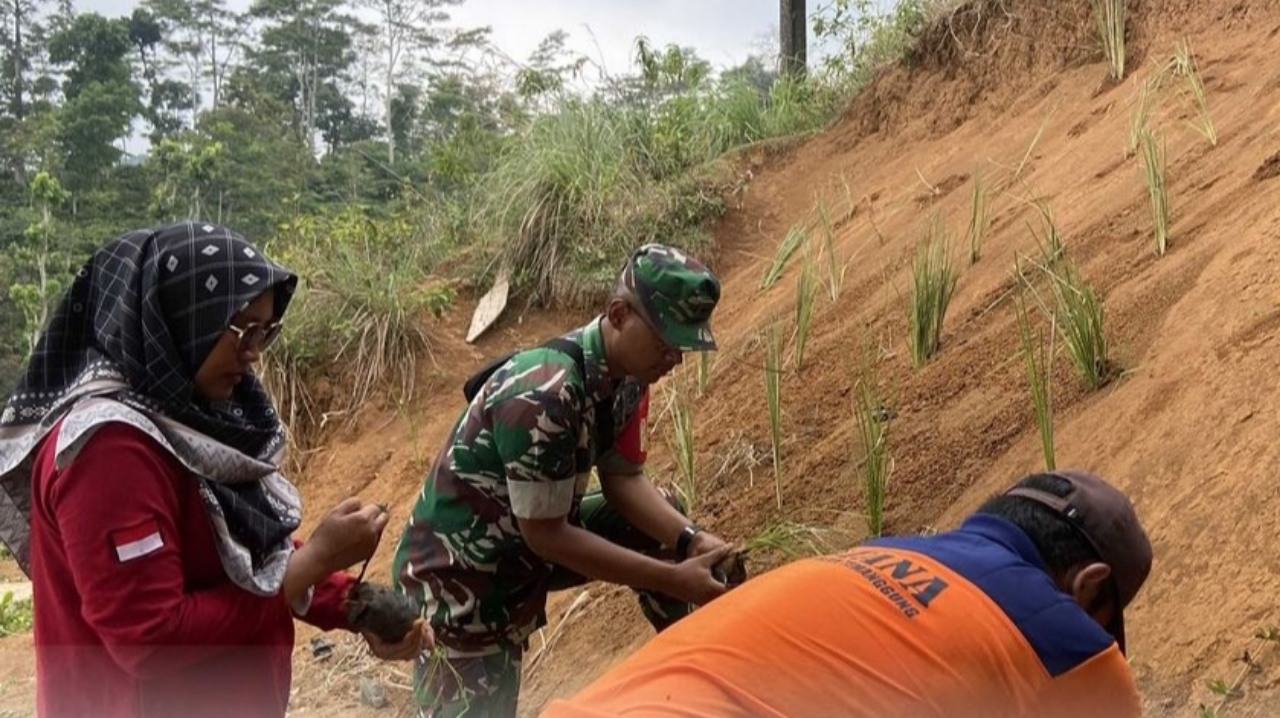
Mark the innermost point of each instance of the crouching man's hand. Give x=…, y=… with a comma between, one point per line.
x=420, y=638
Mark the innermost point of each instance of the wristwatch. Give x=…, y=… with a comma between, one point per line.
x=684, y=539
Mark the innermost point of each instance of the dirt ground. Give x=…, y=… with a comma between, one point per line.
x=1016, y=93
x=1187, y=428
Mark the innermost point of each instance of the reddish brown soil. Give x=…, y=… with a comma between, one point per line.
x=1187, y=428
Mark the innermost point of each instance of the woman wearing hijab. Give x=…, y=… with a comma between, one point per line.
x=140, y=490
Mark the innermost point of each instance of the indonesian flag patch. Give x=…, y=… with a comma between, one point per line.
x=630, y=444
x=137, y=541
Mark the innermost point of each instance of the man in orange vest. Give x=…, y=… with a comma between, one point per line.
x=1016, y=613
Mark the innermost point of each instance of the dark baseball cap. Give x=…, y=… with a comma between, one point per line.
x=1106, y=519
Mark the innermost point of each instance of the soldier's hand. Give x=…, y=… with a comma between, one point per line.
x=732, y=571
x=419, y=638
x=704, y=542
x=348, y=534
x=691, y=580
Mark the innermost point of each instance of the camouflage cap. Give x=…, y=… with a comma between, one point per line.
x=676, y=292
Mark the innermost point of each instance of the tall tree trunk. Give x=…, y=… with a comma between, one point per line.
x=213, y=67
x=18, y=61
x=42, y=314
x=390, y=90
x=195, y=91
x=391, y=135
x=42, y=266
x=311, y=110
x=306, y=133
x=794, y=38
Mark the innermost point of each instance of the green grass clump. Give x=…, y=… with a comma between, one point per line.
x=979, y=219
x=872, y=432
x=773, y=397
x=1081, y=317
x=1110, y=16
x=15, y=616
x=806, y=293
x=836, y=268
x=796, y=237
x=1153, y=164
x=933, y=282
x=1184, y=63
x=1038, y=360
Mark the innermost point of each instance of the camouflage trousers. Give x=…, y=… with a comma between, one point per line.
x=488, y=686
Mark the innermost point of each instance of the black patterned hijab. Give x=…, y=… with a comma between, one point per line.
x=145, y=311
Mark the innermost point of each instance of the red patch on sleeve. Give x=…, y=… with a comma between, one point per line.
x=137, y=540
x=630, y=444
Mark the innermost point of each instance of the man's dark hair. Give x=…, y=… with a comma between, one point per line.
x=1060, y=544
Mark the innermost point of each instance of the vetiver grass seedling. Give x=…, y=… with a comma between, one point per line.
x=979, y=219
x=835, y=267
x=1148, y=96
x=773, y=396
x=1078, y=313
x=806, y=293
x=872, y=431
x=1016, y=174
x=1081, y=314
x=933, y=281
x=1053, y=250
x=1153, y=172
x=792, y=540
x=1184, y=63
x=1109, y=15
x=1038, y=360
x=796, y=236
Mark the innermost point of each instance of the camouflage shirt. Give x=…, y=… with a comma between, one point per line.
x=524, y=447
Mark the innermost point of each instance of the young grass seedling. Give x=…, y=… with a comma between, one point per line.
x=871, y=421
x=835, y=267
x=806, y=293
x=933, y=282
x=1038, y=360
x=979, y=219
x=1184, y=63
x=1109, y=15
x=1153, y=172
x=796, y=236
x=773, y=391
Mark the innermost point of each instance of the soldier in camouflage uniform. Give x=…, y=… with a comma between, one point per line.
x=502, y=517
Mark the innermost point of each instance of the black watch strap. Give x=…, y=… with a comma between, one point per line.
x=684, y=539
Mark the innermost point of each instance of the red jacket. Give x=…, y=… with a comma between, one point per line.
x=134, y=615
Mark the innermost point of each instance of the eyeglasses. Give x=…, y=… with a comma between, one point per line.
x=670, y=352
x=255, y=335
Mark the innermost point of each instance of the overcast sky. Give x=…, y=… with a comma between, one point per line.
x=724, y=32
